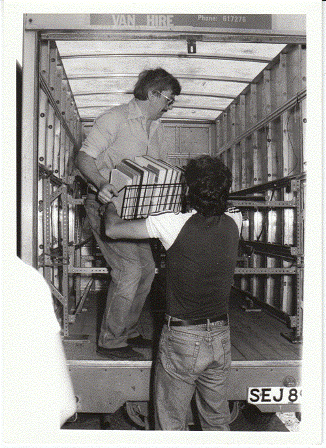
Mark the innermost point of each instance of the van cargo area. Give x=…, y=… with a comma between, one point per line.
x=243, y=99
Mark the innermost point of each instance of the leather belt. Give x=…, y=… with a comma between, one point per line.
x=173, y=321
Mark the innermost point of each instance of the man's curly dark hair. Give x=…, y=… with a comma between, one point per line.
x=209, y=182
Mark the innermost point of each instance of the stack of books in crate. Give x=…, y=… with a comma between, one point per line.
x=146, y=185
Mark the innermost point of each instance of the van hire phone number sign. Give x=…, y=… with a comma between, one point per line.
x=191, y=21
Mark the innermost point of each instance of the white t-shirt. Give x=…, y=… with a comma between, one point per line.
x=167, y=225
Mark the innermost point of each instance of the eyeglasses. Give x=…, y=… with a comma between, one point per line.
x=169, y=100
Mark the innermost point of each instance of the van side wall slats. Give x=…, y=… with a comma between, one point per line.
x=57, y=141
x=264, y=128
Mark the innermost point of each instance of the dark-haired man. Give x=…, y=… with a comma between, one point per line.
x=195, y=351
x=125, y=131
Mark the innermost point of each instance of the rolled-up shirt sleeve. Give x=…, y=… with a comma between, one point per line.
x=100, y=136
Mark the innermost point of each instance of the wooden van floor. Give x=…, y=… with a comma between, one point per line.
x=255, y=336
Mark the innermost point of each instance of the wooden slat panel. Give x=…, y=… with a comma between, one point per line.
x=170, y=142
x=254, y=336
x=154, y=46
x=115, y=65
x=126, y=84
x=260, y=332
x=107, y=99
x=194, y=140
x=185, y=114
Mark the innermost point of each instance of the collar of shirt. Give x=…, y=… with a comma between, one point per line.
x=135, y=112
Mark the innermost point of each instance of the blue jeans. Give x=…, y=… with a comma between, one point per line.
x=193, y=360
x=132, y=273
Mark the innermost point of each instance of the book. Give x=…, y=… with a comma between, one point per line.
x=169, y=179
x=176, y=188
x=149, y=191
x=173, y=192
x=132, y=193
x=161, y=172
x=143, y=201
x=120, y=180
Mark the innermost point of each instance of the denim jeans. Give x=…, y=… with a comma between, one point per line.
x=132, y=273
x=193, y=360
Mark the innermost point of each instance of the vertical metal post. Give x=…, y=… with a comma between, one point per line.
x=76, y=259
x=271, y=174
x=257, y=215
x=300, y=248
x=234, y=154
x=288, y=216
x=65, y=257
x=225, y=127
x=47, y=229
x=271, y=214
x=267, y=99
x=218, y=143
x=244, y=184
x=29, y=175
x=254, y=181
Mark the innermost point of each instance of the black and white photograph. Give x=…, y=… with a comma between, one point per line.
x=162, y=213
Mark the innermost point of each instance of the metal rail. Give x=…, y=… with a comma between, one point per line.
x=219, y=36
x=172, y=55
x=58, y=113
x=262, y=123
x=177, y=75
x=277, y=183
x=130, y=92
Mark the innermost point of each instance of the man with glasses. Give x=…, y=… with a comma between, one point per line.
x=169, y=101
x=125, y=131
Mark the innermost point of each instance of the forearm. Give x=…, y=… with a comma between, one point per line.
x=87, y=166
x=117, y=228
x=111, y=217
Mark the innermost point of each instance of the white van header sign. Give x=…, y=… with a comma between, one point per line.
x=170, y=21
x=265, y=24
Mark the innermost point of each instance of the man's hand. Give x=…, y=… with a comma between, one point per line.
x=106, y=192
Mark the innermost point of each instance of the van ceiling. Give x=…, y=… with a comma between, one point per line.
x=102, y=74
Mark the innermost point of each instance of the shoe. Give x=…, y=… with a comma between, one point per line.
x=126, y=353
x=140, y=342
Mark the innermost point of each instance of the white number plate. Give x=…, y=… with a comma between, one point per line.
x=274, y=395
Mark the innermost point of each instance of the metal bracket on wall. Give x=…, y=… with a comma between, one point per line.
x=294, y=336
